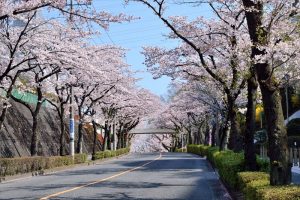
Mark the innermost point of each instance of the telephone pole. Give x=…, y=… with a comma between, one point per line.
x=72, y=121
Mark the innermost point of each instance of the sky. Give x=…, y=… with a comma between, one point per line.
x=148, y=30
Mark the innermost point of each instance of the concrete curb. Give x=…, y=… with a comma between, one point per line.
x=8, y=179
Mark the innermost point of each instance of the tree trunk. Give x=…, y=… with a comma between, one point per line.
x=3, y=114
x=207, y=132
x=213, y=135
x=34, y=137
x=125, y=140
x=280, y=173
x=8, y=96
x=94, y=140
x=277, y=135
x=105, y=136
x=109, y=138
x=62, y=141
x=234, y=125
x=223, y=135
x=249, y=148
x=80, y=133
x=190, y=136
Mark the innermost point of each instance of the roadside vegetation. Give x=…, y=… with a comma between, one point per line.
x=253, y=184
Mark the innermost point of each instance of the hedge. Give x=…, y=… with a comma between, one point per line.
x=229, y=164
x=256, y=185
x=107, y=154
x=200, y=150
x=13, y=166
x=180, y=150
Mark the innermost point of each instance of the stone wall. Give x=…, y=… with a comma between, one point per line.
x=15, y=136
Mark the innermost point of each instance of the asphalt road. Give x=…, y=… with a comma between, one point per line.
x=136, y=176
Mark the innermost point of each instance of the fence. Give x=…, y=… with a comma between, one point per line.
x=26, y=97
x=295, y=156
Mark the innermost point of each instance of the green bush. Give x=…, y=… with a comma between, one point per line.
x=200, y=150
x=193, y=148
x=181, y=150
x=57, y=161
x=80, y=158
x=13, y=166
x=107, y=154
x=246, y=177
x=229, y=164
x=263, y=164
x=256, y=185
x=290, y=192
x=113, y=154
x=250, y=191
x=250, y=181
x=99, y=155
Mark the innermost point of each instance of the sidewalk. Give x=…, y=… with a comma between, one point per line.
x=296, y=175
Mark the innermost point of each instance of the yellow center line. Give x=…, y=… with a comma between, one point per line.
x=98, y=181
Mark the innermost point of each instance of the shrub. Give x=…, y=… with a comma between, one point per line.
x=57, y=161
x=180, y=150
x=201, y=150
x=80, y=158
x=13, y=166
x=99, y=155
x=210, y=154
x=204, y=150
x=107, y=154
x=113, y=154
x=263, y=164
x=229, y=164
x=250, y=191
x=193, y=148
x=246, y=177
x=256, y=185
x=279, y=193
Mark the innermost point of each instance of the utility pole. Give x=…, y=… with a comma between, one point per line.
x=72, y=124
x=72, y=121
x=114, y=136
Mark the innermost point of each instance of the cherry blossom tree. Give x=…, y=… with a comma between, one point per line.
x=80, y=11
x=210, y=47
x=99, y=78
x=270, y=40
x=274, y=35
x=51, y=57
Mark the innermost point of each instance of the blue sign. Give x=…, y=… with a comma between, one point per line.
x=72, y=128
